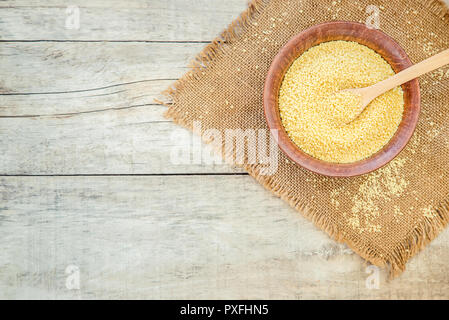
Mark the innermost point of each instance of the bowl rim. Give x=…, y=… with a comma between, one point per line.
x=375, y=39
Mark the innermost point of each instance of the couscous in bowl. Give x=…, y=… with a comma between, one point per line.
x=376, y=40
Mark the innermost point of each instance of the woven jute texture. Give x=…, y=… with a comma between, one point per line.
x=386, y=216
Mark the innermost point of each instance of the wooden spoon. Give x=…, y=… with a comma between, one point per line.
x=370, y=93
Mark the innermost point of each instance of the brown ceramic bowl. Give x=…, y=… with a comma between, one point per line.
x=341, y=30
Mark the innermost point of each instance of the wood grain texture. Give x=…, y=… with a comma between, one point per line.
x=117, y=20
x=124, y=141
x=49, y=119
x=65, y=67
x=157, y=237
x=185, y=231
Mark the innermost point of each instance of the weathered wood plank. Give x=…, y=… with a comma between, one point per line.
x=157, y=237
x=62, y=67
x=155, y=20
x=69, y=78
x=88, y=108
x=102, y=99
x=123, y=141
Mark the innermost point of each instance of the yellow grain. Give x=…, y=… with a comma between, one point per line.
x=341, y=107
x=312, y=108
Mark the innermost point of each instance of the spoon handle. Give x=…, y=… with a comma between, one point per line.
x=425, y=66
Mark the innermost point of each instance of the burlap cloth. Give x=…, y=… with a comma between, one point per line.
x=386, y=216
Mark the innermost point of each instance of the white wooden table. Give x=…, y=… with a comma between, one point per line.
x=87, y=188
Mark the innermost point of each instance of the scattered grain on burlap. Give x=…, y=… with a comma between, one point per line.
x=386, y=216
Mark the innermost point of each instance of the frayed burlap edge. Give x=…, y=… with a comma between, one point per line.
x=438, y=7
x=424, y=232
